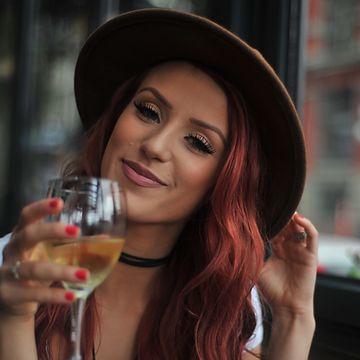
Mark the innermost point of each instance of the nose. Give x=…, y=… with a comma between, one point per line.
x=157, y=145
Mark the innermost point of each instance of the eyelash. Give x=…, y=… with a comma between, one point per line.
x=200, y=143
x=197, y=141
x=148, y=111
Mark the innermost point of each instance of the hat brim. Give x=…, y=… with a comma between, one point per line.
x=132, y=42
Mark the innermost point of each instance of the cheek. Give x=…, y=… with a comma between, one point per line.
x=124, y=135
x=108, y=158
x=193, y=181
x=196, y=178
x=125, y=131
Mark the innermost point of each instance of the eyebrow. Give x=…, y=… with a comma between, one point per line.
x=210, y=127
x=157, y=94
x=197, y=122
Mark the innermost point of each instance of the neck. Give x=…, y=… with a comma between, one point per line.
x=151, y=241
x=126, y=282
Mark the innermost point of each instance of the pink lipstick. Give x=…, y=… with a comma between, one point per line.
x=141, y=176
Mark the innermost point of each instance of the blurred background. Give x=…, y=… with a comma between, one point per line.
x=313, y=45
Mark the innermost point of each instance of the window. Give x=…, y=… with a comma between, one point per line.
x=332, y=131
x=331, y=119
x=39, y=43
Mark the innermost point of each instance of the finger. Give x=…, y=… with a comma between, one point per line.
x=13, y=294
x=277, y=246
x=297, y=226
x=32, y=234
x=45, y=271
x=292, y=233
x=39, y=209
x=5, y=273
x=288, y=230
x=293, y=227
x=312, y=233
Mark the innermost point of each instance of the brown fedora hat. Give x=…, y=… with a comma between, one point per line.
x=134, y=41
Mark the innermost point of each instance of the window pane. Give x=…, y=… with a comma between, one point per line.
x=332, y=131
x=58, y=30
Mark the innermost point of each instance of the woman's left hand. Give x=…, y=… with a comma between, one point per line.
x=287, y=280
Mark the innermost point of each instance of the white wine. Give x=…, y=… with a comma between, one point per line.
x=95, y=253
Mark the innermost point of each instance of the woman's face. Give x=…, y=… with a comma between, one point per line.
x=167, y=145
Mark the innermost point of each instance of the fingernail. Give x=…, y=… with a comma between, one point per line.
x=321, y=268
x=71, y=230
x=53, y=203
x=69, y=296
x=299, y=215
x=81, y=274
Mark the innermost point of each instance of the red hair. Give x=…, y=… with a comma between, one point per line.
x=207, y=311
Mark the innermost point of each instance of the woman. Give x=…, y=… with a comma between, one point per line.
x=212, y=167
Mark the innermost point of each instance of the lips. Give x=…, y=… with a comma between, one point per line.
x=141, y=176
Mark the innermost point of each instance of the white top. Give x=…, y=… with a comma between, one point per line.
x=257, y=336
x=3, y=242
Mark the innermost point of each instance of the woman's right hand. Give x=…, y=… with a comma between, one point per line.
x=21, y=297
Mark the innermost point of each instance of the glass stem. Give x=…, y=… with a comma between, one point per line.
x=77, y=310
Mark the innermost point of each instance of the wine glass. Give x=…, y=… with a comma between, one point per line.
x=97, y=207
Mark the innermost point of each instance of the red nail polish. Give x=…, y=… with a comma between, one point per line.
x=81, y=274
x=53, y=203
x=71, y=230
x=69, y=296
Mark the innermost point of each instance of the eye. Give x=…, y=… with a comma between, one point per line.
x=148, y=111
x=200, y=143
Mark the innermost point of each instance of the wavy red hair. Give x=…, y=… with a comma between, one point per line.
x=207, y=312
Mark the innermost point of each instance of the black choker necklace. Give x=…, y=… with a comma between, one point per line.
x=142, y=262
